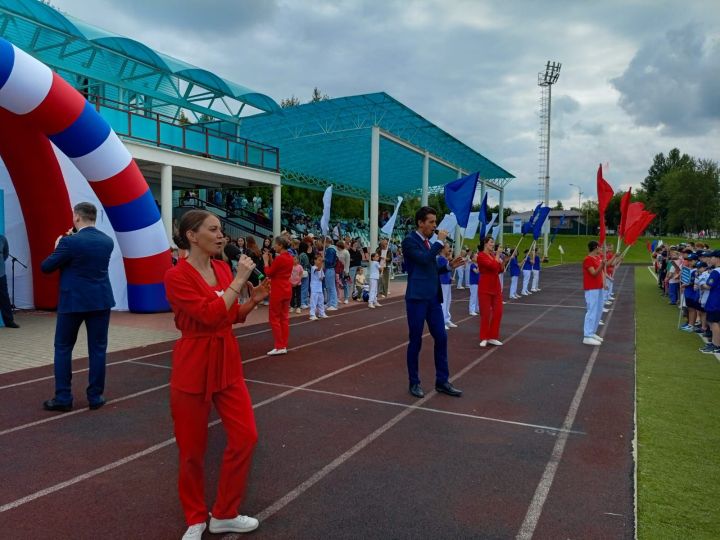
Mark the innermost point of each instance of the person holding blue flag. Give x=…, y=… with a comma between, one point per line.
x=514, y=276
x=527, y=272
x=535, y=272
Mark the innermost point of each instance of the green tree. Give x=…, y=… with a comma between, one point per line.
x=292, y=101
x=317, y=95
x=590, y=216
x=558, y=206
x=612, y=212
x=182, y=119
x=692, y=194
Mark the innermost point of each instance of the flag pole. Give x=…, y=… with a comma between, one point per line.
x=514, y=251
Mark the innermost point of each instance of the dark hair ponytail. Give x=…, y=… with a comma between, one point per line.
x=190, y=221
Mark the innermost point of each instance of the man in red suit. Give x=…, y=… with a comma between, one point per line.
x=279, y=270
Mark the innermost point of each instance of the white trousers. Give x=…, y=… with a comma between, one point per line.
x=447, y=298
x=609, y=282
x=535, y=279
x=526, y=280
x=317, y=303
x=373, y=291
x=513, y=286
x=474, y=306
x=460, y=276
x=467, y=275
x=594, y=303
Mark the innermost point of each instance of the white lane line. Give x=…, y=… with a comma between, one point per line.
x=337, y=462
x=79, y=411
x=544, y=305
x=527, y=529
x=255, y=333
x=159, y=446
x=409, y=406
x=150, y=364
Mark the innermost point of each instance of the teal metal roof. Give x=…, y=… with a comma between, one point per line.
x=330, y=140
x=69, y=44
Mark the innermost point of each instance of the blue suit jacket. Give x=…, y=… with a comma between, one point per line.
x=423, y=281
x=83, y=260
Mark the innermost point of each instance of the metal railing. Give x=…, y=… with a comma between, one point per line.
x=233, y=220
x=167, y=132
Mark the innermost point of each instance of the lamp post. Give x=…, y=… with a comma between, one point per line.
x=580, y=193
x=545, y=81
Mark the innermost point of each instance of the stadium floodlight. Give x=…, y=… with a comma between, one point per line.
x=545, y=82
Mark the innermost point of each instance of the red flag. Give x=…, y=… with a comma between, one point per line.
x=605, y=193
x=624, y=203
x=634, y=230
x=634, y=211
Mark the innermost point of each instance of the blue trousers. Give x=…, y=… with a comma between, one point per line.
x=332, y=297
x=305, y=291
x=66, y=331
x=419, y=311
x=673, y=289
x=5, y=305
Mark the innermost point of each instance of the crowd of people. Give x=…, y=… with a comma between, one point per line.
x=689, y=277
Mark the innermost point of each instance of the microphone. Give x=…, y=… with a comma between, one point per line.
x=258, y=273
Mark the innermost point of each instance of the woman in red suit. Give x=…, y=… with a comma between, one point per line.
x=489, y=293
x=279, y=270
x=206, y=368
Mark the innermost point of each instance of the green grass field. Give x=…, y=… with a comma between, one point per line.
x=575, y=247
x=678, y=405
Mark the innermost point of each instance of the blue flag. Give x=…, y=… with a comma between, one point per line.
x=654, y=245
x=459, y=197
x=540, y=221
x=560, y=224
x=527, y=227
x=483, y=217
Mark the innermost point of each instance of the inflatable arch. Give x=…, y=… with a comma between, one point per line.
x=37, y=108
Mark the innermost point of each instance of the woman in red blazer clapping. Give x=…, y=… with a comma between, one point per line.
x=489, y=293
x=279, y=270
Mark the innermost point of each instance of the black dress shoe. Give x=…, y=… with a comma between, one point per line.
x=417, y=391
x=96, y=405
x=449, y=389
x=52, y=405
x=12, y=324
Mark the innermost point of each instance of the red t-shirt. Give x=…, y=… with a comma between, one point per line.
x=591, y=282
x=609, y=270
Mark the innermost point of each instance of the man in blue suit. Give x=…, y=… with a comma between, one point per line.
x=86, y=296
x=423, y=299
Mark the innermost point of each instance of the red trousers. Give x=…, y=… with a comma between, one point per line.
x=491, y=310
x=190, y=414
x=280, y=322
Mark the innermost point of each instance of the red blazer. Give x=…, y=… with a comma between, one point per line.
x=279, y=271
x=206, y=358
x=489, y=269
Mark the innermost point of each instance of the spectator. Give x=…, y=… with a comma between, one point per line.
x=317, y=303
x=330, y=258
x=374, y=279
x=343, y=272
x=295, y=281
x=5, y=305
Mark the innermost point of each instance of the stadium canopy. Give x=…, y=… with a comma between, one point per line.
x=330, y=142
x=162, y=83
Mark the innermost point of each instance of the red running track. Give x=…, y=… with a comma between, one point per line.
x=540, y=444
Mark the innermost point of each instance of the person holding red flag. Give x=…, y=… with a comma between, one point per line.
x=490, y=267
x=593, y=270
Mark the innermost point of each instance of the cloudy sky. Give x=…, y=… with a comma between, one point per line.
x=638, y=76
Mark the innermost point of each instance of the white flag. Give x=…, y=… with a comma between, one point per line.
x=448, y=223
x=473, y=222
x=561, y=250
x=325, y=220
x=490, y=225
x=495, y=231
x=390, y=225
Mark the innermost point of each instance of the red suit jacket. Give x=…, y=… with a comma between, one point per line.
x=489, y=269
x=206, y=358
x=279, y=272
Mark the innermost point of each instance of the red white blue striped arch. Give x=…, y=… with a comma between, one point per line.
x=32, y=91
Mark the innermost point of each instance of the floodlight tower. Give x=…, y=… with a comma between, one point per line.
x=545, y=82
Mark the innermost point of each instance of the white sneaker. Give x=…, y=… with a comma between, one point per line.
x=601, y=323
x=484, y=343
x=598, y=338
x=378, y=304
x=194, y=532
x=472, y=313
x=239, y=524
x=605, y=310
x=451, y=324
x=591, y=341
x=525, y=293
x=608, y=303
x=504, y=302
x=276, y=352
x=345, y=301
x=324, y=316
x=331, y=308
x=534, y=290
x=298, y=310
x=313, y=318
x=371, y=306
x=447, y=327
x=495, y=342
x=304, y=307
x=460, y=288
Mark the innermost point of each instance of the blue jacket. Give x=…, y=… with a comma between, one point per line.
x=514, y=267
x=536, y=263
x=83, y=261
x=423, y=281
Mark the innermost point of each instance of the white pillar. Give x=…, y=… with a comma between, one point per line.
x=374, y=186
x=276, y=210
x=166, y=209
x=459, y=232
x=425, y=179
x=501, y=212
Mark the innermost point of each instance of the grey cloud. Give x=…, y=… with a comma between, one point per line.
x=588, y=128
x=673, y=82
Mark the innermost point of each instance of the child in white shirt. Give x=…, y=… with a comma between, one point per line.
x=317, y=301
x=374, y=279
